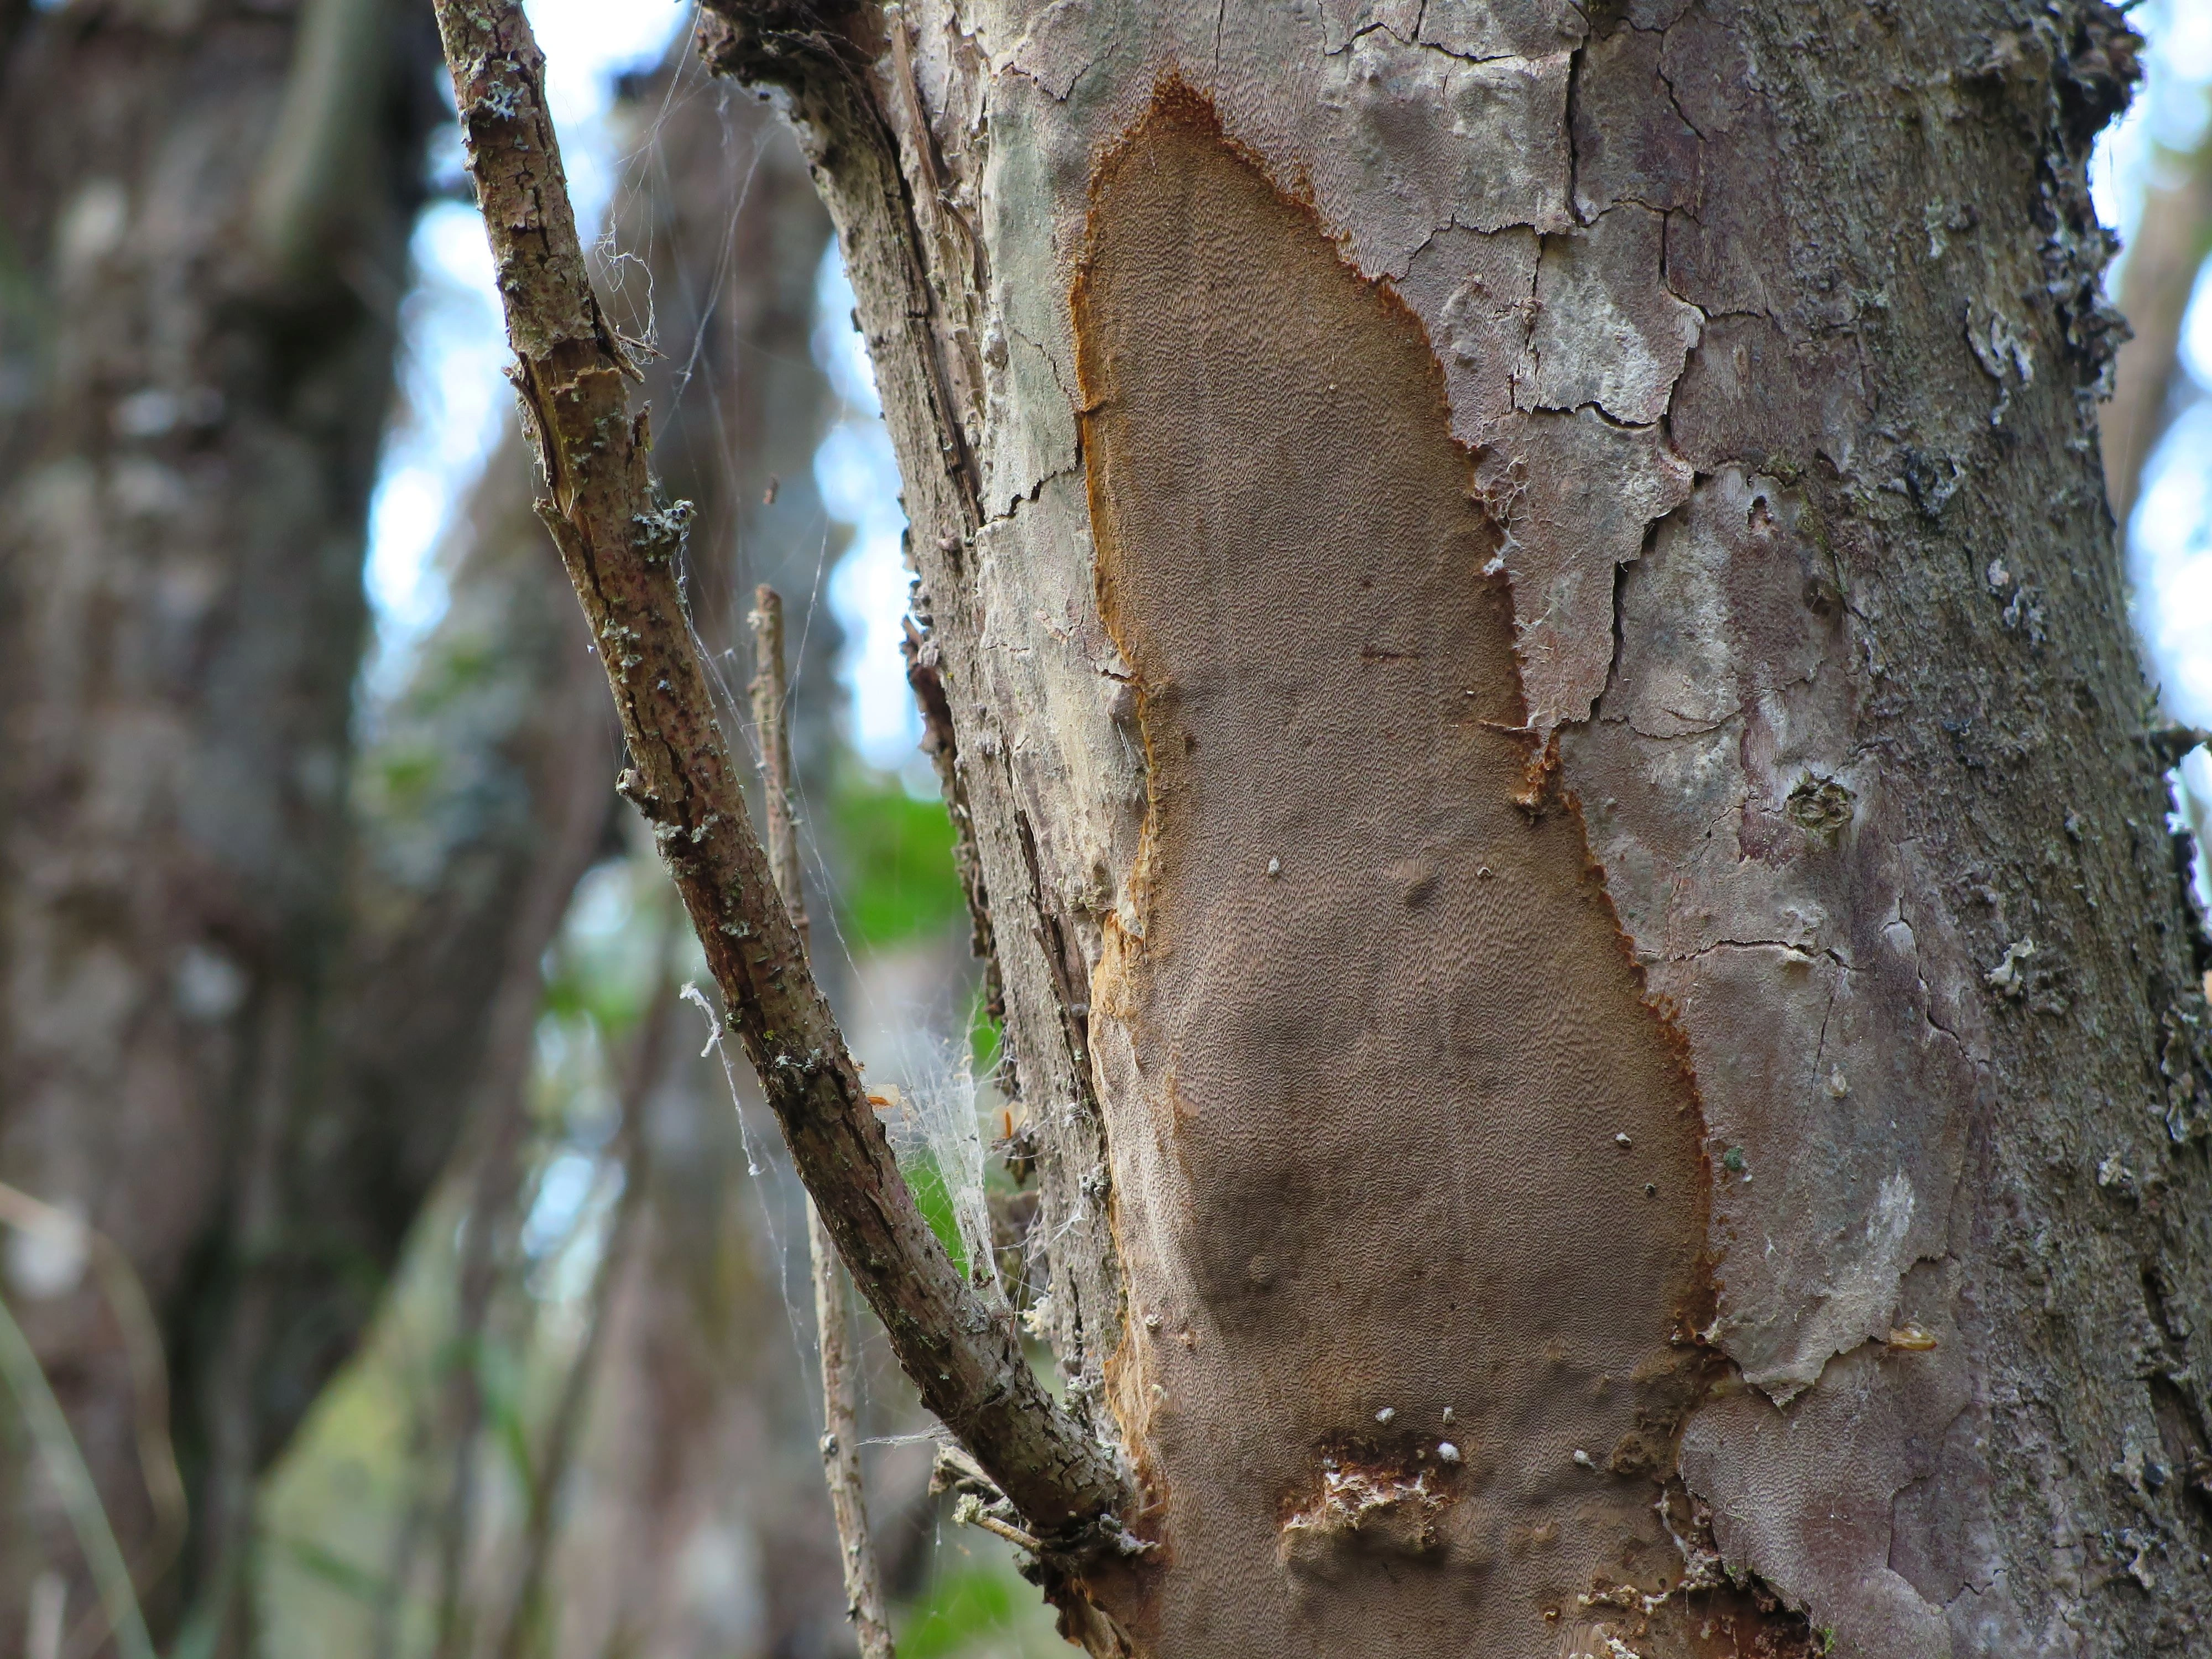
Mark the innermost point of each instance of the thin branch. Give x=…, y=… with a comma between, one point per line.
x=149, y=1370
x=66, y=1466
x=618, y=541
x=630, y=1154
x=840, y=1448
x=771, y=692
x=969, y=1512
x=938, y=743
x=841, y=1416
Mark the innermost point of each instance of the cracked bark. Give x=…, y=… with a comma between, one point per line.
x=1834, y=656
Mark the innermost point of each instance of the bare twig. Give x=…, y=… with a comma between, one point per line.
x=938, y=743
x=841, y=1417
x=771, y=692
x=969, y=1512
x=618, y=541
x=840, y=1448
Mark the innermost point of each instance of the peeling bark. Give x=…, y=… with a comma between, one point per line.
x=1771, y=335
x=621, y=544
x=1371, y=984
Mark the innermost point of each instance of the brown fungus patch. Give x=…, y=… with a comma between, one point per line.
x=1371, y=1040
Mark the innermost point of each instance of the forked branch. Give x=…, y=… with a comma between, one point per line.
x=619, y=543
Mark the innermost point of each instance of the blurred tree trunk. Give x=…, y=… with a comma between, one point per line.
x=237, y=1030
x=488, y=799
x=1530, y=640
x=197, y=361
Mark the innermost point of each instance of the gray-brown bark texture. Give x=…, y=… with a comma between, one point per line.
x=1539, y=687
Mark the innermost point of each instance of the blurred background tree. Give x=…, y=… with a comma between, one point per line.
x=206, y=212
x=2153, y=181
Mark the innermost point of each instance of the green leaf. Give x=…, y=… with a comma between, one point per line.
x=934, y=1199
x=900, y=881
x=349, y=1578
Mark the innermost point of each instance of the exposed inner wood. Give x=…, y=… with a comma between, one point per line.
x=1396, y=1133
x=619, y=545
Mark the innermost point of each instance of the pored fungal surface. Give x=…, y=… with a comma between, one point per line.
x=1396, y=1133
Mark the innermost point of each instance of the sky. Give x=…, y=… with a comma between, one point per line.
x=452, y=390
x=453, y=343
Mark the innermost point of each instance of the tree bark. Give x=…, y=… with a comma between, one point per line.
x=1532, y=636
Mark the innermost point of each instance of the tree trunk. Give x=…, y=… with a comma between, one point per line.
x=1532, y=634
x=492, y=775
